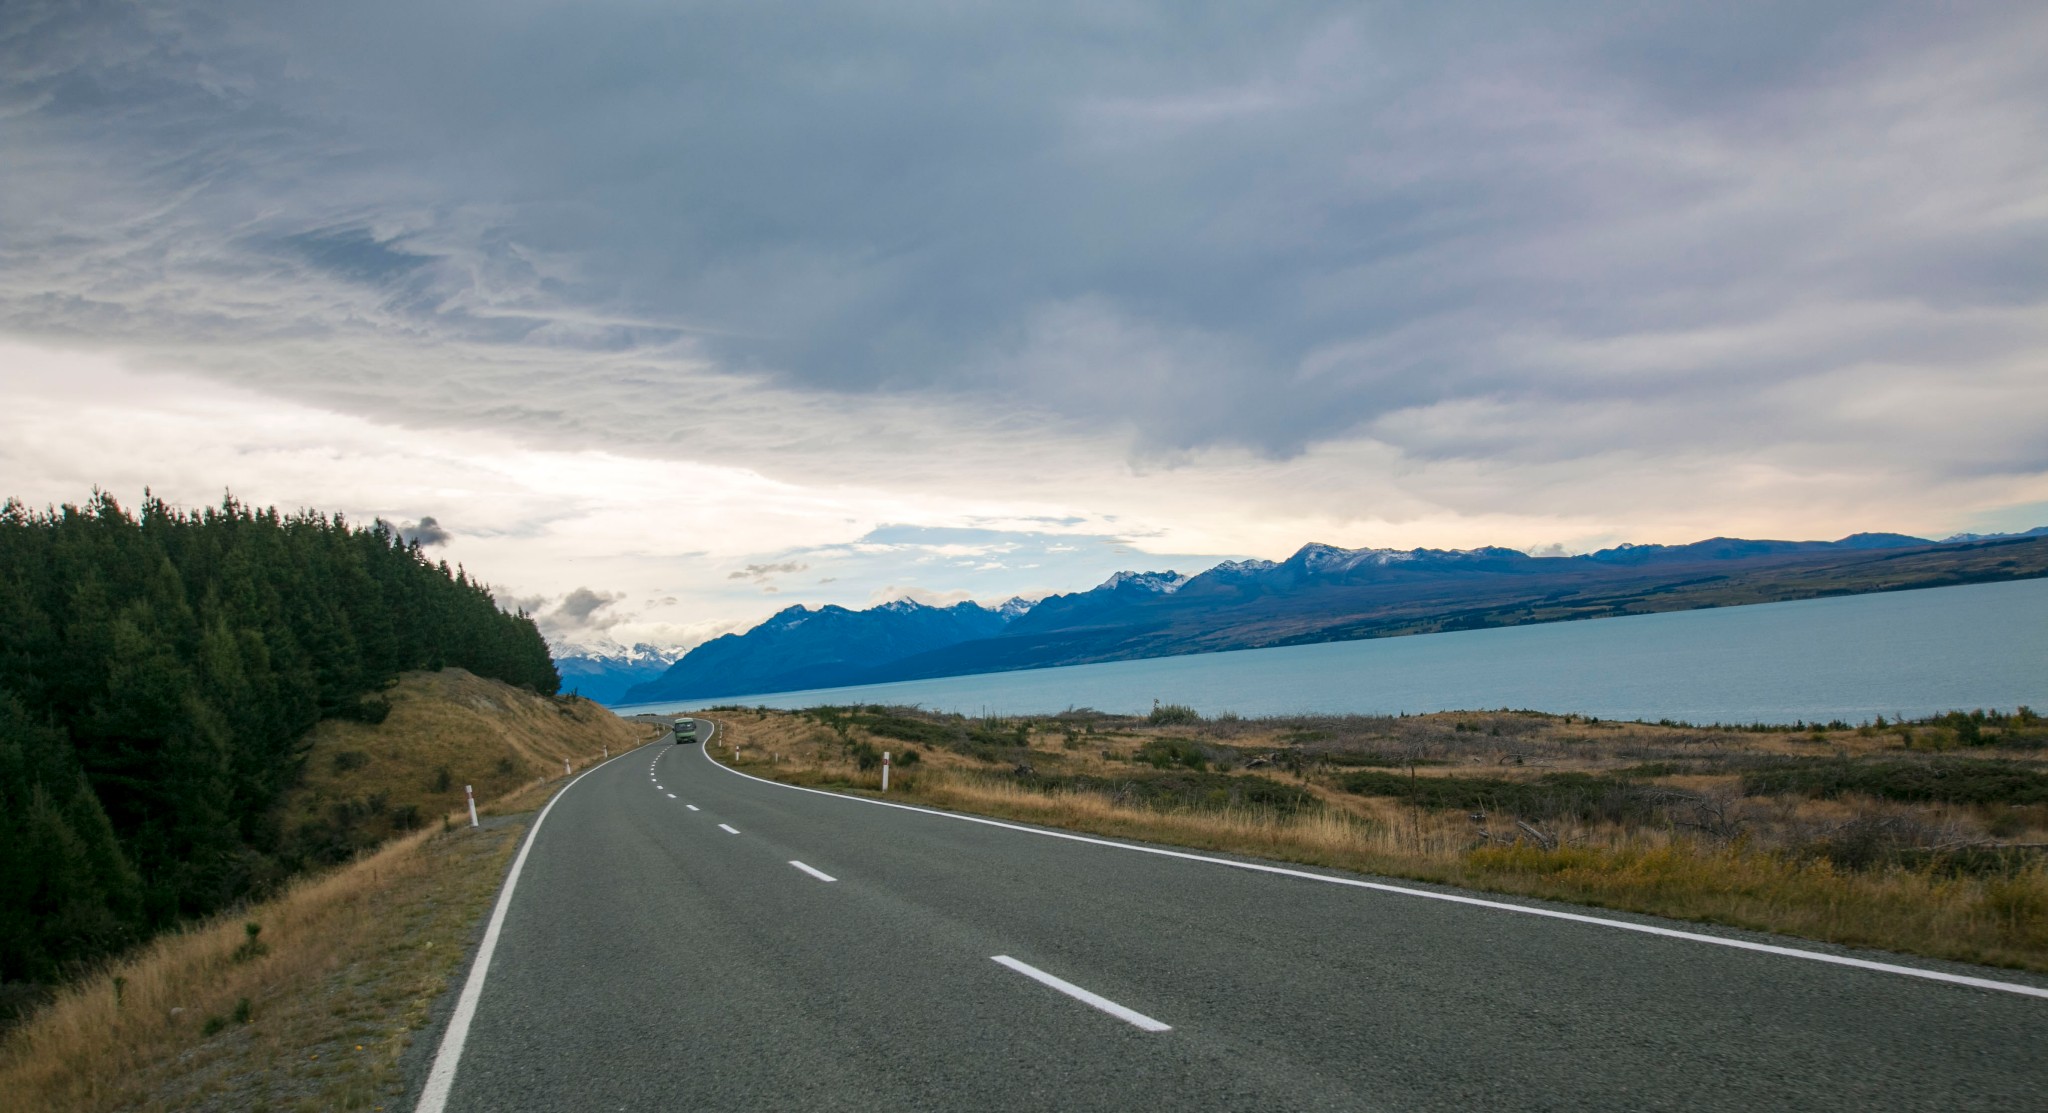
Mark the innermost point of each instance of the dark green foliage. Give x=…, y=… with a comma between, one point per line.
x=1947, y=780
x=1173, y=715
x=1582, y=796
x=887, y=723
x=157, y=674
x=1166, y=753
x=251, y=947
x=908, y=757
x=70, y=892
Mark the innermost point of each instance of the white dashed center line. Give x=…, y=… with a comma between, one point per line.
x=1128, y=1016
x=671, y=795
x=728, y=830
x=817, y=873
x=692, y=807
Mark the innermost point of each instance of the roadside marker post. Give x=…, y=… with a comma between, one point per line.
x=565, y=767
x=470, y=794
x=885, y=770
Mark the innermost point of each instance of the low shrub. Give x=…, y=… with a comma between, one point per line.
x=1943, y=780
x=1167, y=753
x=1582, y=796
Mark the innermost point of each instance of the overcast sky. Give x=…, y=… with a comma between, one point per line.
x=669, y=315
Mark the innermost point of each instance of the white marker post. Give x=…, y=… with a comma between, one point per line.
x=565, y=767
x=470, y=793
x=885, y=770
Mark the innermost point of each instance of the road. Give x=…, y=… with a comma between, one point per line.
x=682, y=936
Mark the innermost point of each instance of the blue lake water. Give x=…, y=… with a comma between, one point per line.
x=1910, y=653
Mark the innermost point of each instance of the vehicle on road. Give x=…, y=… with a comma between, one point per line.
x=686, y=730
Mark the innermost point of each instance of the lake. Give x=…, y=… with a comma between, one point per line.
x=1904, y=653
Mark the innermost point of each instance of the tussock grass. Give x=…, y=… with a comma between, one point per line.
x=363, y=783
x=1758, y=874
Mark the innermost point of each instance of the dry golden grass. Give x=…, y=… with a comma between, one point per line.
x=352, y=959
x=1996, y=919
x=480, y=732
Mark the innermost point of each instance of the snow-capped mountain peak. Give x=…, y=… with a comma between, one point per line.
x=1156, y=583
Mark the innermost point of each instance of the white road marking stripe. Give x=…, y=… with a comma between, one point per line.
x=1452, y=898
x=671, y=795
x=728, y=829
x=692, y=807
x=434, y=1095
x=1128, y=1016
x=817, y=873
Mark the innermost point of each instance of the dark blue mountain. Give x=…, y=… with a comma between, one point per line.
x=1326, y=593
x=1321, y=593
x=801, y=648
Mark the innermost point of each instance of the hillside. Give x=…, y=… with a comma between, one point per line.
x=159, y=673
x=352, y=959
x=364, y=783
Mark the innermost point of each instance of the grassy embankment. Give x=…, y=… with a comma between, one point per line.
x=1924, y=837
x=347, y=962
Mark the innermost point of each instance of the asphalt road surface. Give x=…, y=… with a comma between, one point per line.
x=684, y=937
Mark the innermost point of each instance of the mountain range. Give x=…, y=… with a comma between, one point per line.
x=605, y=674
x=1321, y=593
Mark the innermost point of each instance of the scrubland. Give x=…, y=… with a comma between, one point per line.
x=1924, y=837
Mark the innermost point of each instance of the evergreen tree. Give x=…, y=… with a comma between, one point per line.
x=158, y=673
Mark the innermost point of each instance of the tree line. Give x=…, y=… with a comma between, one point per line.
x=158, y=673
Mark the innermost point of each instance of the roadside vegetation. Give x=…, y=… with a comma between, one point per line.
x=159, y=674
x=1925, y=837
x=311, y=999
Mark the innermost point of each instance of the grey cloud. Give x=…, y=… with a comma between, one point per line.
x=425, y=532
x=1265, y=226
x=580, y=604
x=582, y=616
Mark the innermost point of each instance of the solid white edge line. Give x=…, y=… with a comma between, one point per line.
x=441, y=1078
x=1129, y=1016
x=813, y=871
x=1451, y=898
x=728, y=829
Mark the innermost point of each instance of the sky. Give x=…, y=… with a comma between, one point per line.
x=660, y=317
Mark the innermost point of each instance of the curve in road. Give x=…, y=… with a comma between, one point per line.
x=705, y=939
